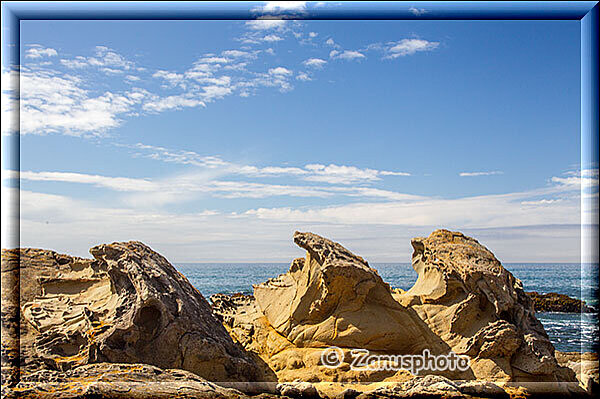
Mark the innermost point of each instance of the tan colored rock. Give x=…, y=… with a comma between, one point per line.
x=480, y=309
x=464, y=301
x=126, y=381
x=334, y=298
x=585, y=366
x=127, y=305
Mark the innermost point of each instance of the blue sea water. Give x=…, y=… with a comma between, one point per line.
x=570, y=332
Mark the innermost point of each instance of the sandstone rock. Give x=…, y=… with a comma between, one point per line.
x=10, y=318
x=480, y=309
x=298, y=390
x=334, y=298
x=127, y=305
x=553, y=302
x=431, y=386
x=585, y=366
x=464, y=301
x=126, y=381
x=348, y=393
x=481, y=389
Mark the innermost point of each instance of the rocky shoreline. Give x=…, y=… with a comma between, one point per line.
x=126, y=323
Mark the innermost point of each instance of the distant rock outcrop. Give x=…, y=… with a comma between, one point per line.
x=553, y=302
x=464, y=301
x=127, y=305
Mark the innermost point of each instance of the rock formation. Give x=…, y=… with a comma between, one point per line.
x=127, y=305
x=119, y=381
x=127, y=324
x=553, y=302
x=585, y=366
x=464, y=301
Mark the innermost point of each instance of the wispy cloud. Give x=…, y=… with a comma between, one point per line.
x=81, y=95
x=39, y=52
x=303, y=76
x=472, y=174
x=278, y=7
x=417, y=11
x=406, y=47
x=346, y=55
x=266, y=24
x=104, y=59
x=52, y=103
x=314, y=62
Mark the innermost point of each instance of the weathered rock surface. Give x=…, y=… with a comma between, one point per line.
x=119, y=325
x=585, y=366
x=480, y=309
x=112, y=380
x=127, y=305
x=464, y=301
x=553, y=302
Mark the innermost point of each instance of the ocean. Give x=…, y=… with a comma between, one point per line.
x=569, y=332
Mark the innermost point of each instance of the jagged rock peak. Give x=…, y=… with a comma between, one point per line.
x=327, y=252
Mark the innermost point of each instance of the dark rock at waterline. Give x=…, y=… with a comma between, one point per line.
x=553, y=302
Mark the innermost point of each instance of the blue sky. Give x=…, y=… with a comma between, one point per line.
x=215, y=140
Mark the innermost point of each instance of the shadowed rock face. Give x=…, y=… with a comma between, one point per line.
x=480, y=309
x=127, y=305
x=333, y=298
x=463, y=301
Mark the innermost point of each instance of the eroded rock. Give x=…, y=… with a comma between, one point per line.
x=127, y=305
x=126, y=381
x=464, y=301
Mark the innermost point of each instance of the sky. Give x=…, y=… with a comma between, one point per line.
x=213, y=141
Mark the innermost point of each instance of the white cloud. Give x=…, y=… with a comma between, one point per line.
x=236, y=53
x=176, y=156
x=303, y=76
x=410, y=46
x=280, y=71
x=172, y=78
x=346, y=54
x=213, y=60
x=75, y=63
x=272, y=38
x=39, y=52
x=51, y=103
x=333, y=174
x=171, y=102
x=491, y=211
x=105, y=59
x=520, y=226
x=471, y=174
x=312, y=34
x=265, y=24
x=209, y=236
x=275, y=7
x=314, y=62
x=340, y=174
x=417, y=11
x=113, y=183
x=216, y=91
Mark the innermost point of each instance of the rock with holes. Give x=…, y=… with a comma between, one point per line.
x=464, y=301
x=480, y=309
x=113, y=380
x=126, y=305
